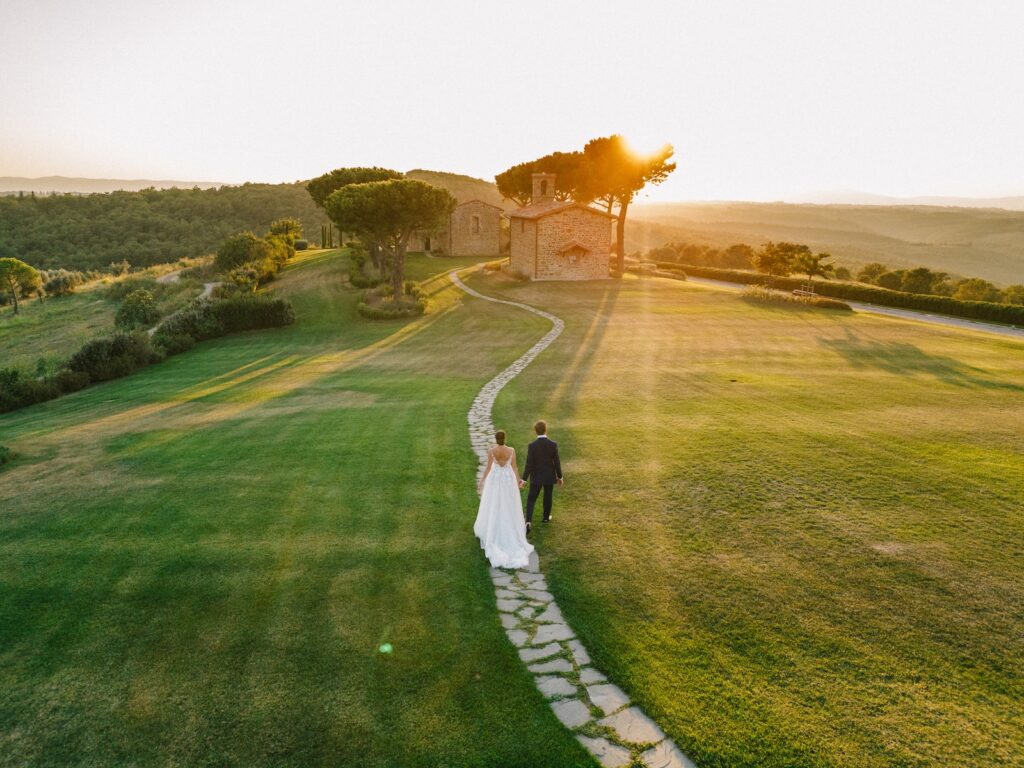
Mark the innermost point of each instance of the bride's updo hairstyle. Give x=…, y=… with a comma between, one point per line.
x=499, y=437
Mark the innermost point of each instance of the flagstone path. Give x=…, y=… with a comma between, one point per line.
x=600, y=714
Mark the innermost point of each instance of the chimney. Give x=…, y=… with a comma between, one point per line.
x=543, y=188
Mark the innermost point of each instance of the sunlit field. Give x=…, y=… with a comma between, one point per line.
x=794, y=537
x=200, y=562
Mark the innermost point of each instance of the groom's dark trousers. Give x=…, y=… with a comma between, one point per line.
x=543, y=470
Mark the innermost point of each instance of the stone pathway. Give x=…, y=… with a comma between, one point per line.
x=600, y=714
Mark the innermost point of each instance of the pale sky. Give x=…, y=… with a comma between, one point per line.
x=762, y=100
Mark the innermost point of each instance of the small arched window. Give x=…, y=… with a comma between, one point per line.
x=543, y=187
x=474, y=225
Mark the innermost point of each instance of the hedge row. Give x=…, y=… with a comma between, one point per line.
x=111, y=357
x=976, y=310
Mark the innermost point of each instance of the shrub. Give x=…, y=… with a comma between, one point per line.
x=764, y=295
x=17, y=391
x=112, y=357
x=289, y=229
x=243, y=248
x=137, y=309
x=173, y=344
x=358, y=278
x=245, y=277
x=246, y=313
x=301, y=245
x=392, y=310
x=68, y=381
x=977, y=310
x=379, y=303
x=62, y=282
x=195, y=320
x=119, y=291
x=976, y=289
x=6, y=455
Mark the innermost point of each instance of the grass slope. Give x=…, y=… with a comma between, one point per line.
x=793, y=537
x=199, y=562
x=971, y=242
x=53, y=329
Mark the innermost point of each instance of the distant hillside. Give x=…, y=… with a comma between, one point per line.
x=866, y=198
x=147, y=227
x=972, y=242
x=68, y=184
x=464, y=188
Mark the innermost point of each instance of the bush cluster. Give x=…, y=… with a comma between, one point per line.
x=61, y=282
x=379, y=303
x=946, y=305
x=764, y=295
x=205, y=319
x=110, y=357
x=780, y=258
x=138, y=309
x=357, y=276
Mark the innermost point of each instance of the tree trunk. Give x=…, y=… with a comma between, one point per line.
x=398, y=272
x=620, y=239
x=375, y=257
x=398, y=267
x=14, y=295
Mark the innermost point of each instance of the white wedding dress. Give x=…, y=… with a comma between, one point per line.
x=500, y=524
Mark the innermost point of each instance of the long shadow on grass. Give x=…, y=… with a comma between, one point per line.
x=562, y=398
x=904, y=359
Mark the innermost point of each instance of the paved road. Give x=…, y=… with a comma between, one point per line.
x=903, y=314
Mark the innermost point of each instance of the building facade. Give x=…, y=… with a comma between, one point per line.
x=559, y=240
x=474, y=229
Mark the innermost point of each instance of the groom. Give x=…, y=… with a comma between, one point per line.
x=543, y=470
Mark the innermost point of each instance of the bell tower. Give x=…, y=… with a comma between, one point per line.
x=543, y=188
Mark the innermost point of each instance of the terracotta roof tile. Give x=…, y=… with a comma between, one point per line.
x=539, y=210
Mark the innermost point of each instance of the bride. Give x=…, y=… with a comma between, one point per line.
x=499, y=522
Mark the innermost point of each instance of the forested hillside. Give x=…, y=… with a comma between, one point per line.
x=147, y=227
x=464, y=188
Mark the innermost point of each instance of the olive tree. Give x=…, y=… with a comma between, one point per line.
x=18, y=278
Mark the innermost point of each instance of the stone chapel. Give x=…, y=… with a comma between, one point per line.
x=559, y=240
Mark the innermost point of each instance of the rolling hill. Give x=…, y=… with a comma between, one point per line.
x=83, y=186
x=971, y=242
x=464, y=188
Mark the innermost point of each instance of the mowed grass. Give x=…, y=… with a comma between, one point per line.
x=794, y=537
x=200, y=563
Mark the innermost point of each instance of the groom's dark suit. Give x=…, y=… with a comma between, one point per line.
x=543, y=470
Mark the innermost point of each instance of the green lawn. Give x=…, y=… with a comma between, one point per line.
x=199, y=563
x=793, y=537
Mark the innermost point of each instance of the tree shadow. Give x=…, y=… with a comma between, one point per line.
x=905, y=359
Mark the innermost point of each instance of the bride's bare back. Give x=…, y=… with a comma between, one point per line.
x=503, y=454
